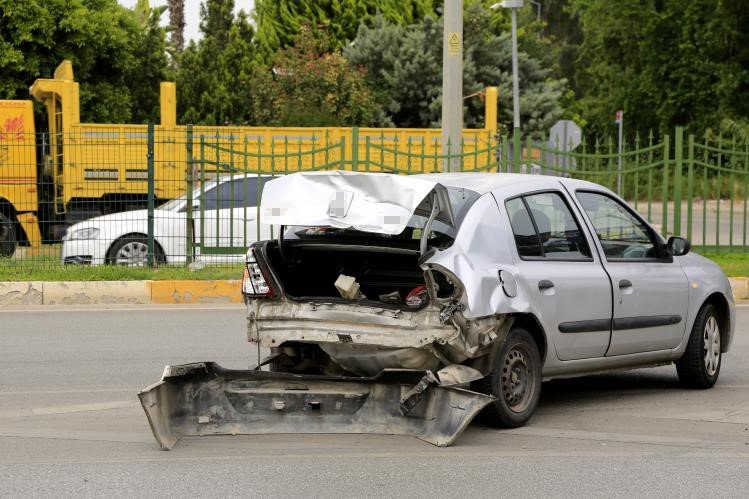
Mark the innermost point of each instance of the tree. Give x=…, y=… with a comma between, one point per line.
x=177, y=30
x=279, y=22
x=310, y=86
x=666, y=63
x=103, y=39
x=405, y=64
x=149, y=51
x=215, y=73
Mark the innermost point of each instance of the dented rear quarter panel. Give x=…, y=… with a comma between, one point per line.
x=481, y=249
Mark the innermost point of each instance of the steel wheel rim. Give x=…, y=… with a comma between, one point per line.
x=711, y=346
x=517, y=383
x=134, y=253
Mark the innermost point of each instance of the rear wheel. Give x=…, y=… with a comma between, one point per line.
x=515, y=381
x=699, y=367
x=8, y=239
x=133, y=251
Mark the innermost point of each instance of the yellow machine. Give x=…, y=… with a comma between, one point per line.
x=79, y=170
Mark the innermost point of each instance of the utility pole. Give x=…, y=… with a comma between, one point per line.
x=452, y=84
x=514, y=5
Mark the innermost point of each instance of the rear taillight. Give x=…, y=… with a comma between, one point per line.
x=253, y=280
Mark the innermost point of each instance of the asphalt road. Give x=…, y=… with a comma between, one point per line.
x=70, y=424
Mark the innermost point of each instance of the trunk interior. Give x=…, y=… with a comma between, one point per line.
x=309, y=270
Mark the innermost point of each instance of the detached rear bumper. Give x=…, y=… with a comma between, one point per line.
x=206, y=399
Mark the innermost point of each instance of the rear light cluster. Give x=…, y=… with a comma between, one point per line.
x=253, y=280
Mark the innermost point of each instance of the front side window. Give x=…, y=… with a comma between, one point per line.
x=622, y=235
x=543, y=226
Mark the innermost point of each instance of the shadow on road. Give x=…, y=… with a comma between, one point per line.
x=604, y=386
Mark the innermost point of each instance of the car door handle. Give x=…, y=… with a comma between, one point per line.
x=545, y=284
x=624, y=283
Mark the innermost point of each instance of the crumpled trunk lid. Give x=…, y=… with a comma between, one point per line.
x=370, y=202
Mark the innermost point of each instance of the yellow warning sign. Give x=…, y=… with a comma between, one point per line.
x=453, y=43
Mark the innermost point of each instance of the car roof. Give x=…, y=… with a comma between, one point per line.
x=486, y=182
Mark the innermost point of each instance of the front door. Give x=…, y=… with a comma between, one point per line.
x=567, y=280
x=650, y=288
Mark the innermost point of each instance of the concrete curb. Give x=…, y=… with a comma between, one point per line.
x=740, y=288
x=119, y=292
x=161, y=292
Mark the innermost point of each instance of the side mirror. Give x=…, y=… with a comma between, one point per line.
x=678, y=246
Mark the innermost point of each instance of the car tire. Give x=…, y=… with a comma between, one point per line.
x=699, y=367
x=515, y=381
x=8, y=239
x=136, y=246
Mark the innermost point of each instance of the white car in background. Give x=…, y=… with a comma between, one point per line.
x=228, y=219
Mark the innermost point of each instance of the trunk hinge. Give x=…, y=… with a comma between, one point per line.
x=428, y=225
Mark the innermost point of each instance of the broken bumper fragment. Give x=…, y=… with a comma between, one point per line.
x=205, y=399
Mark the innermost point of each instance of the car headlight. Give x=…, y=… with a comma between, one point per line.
x=87, y=233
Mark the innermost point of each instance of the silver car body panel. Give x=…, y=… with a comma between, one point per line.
x=484, y=246
x=203, y=399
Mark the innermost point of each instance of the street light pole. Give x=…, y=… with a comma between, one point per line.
x=452, y=84
x=538, y=9
x=514, y=5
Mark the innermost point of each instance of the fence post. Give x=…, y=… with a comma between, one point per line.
x=151, y=180
x=664, y=194
x=189, y=227
x=516, y=149
x=355, y=148
x=690, y=185
x=342, y=161
x=678, y=163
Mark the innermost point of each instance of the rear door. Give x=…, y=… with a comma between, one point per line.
x=567, y=280
x=651, y=290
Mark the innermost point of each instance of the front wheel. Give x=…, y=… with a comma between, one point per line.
x=515, y=381
x=133, y=251
x=8, y=239
x=699, y=367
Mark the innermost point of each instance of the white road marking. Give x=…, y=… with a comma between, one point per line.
x=535, y=431
x=109, y=308
x=69, y=409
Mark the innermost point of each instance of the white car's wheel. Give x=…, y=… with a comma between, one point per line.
x=133, y=252
x=699, y=367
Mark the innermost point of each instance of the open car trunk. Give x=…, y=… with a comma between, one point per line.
x=307, y=271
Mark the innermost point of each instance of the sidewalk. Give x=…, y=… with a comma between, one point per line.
x=161, y=292
x=120, y=292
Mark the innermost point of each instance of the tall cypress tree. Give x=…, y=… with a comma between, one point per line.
x=215, y=73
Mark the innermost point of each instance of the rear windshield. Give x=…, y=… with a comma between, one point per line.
x=460, y=199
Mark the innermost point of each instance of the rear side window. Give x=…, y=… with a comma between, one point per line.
x=543, y=226
x=237, y=193
x=526, y=238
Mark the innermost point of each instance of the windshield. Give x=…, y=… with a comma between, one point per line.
x=460, y=200
x=174, y=204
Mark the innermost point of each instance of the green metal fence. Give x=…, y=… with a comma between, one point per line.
x=198, y=189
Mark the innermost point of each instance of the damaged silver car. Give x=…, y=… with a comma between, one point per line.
x=409, y=304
